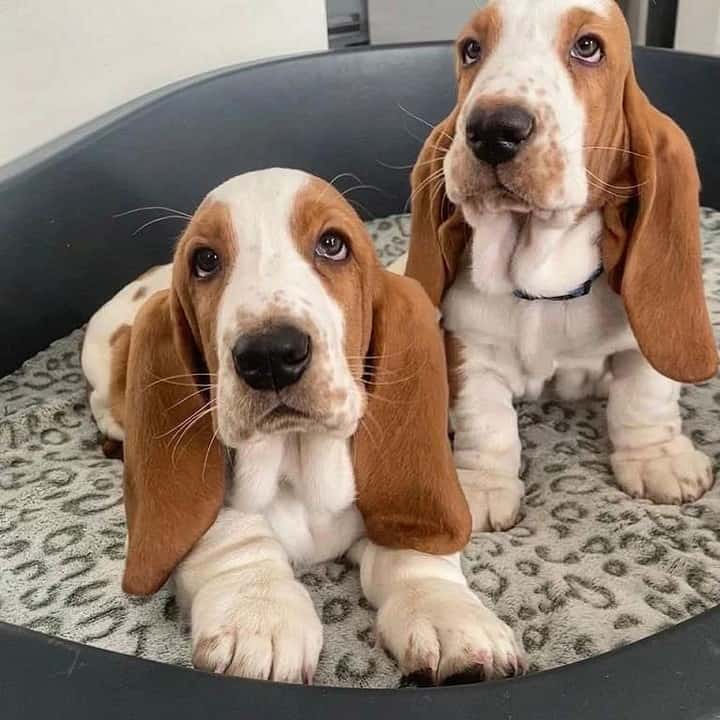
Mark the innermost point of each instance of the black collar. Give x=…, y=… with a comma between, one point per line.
x=579, y=292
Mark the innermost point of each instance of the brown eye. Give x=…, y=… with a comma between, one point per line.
x=206, y=262
x=471, y=52
x=332, y=246
x=588, y=49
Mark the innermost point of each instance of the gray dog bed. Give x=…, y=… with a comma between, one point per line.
x=585, y=571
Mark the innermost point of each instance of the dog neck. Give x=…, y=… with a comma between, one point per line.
x=532, y=256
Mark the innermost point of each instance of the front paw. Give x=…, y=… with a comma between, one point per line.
x=669, y=474
x=440, y=633
x=494, y=500
x=267, y=630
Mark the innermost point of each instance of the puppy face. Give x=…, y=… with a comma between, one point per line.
x=540, y=106
x=277, y=269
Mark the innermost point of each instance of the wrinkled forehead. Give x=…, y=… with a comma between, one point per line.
x=541, y=20
x=527, y=42
x=528, y=28
x=269, y=209
x=259, y=206
x=544, y=13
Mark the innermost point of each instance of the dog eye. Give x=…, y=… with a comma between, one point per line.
x=206, y=262
x=471, y=52
x=332, y=246
x=588, y=49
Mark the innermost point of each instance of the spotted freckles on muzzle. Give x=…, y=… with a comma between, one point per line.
x=283, y=373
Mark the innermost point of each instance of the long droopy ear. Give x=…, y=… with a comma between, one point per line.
x=439, y=232
x=652, y=250
x=408, y=491
x=174, y=481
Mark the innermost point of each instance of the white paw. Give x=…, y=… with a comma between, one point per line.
x=440, y=633
x=494, y=500
x=668, y=474
x=265, y=631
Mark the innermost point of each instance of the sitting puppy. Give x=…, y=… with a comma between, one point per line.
x=555, y=222
x=283, y=399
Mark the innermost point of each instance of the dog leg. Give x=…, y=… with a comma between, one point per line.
x=652, y=458
x=250, y=617
x=487, y=451
x=437, y=629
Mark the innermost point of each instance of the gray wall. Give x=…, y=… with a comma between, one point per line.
x=393, y=21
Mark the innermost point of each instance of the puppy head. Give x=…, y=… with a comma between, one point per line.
x=276, y=270
x=541, y=87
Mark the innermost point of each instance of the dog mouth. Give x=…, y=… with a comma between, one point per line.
x=283, y=415
x=512, y=194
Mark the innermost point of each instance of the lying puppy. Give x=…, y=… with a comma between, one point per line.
x=277, y=355
x=555, y=221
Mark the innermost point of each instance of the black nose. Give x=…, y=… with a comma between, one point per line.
x=496, y=136
x=272, y=359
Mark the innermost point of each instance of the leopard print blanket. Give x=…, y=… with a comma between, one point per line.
x=585, y=571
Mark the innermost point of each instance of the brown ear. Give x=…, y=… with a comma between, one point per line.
x=439, y=232
x=174, y=474
x=652, y=249
x=408, y=491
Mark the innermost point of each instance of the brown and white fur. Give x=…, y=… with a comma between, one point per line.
x=227, y=487
x=603, y=178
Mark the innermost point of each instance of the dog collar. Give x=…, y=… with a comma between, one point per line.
x=579, y=292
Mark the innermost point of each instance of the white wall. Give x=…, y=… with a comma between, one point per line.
x=698, y=28
x=63, y=62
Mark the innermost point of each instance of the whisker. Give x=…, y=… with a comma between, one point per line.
x=190, y=419
x=375, y=396
x=157, y=220
x=437, y=175
x=206, y=411
x=207, y=452
x=153, y=207
x=423, y=121
x=619, y=196
x=615, y=149
x=399, y=167
x=192, y=395
x=358, y=204
x=180, y=377
x=341, y=176
x=414, y=165
x=615, y=187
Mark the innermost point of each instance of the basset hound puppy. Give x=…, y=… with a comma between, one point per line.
x=556, y=225
x=282, y=399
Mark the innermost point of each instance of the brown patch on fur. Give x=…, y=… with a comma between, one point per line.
x=319, y=207
x=648, y=187
x=140, y=293
x=211, y=226
x=173, y=490
x=601, y=90
x=455, y=354
x=119, y=349
x=485, y=26
x=408, y=491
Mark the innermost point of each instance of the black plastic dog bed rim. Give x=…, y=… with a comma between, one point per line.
x=670, y=676
x=60, y=201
